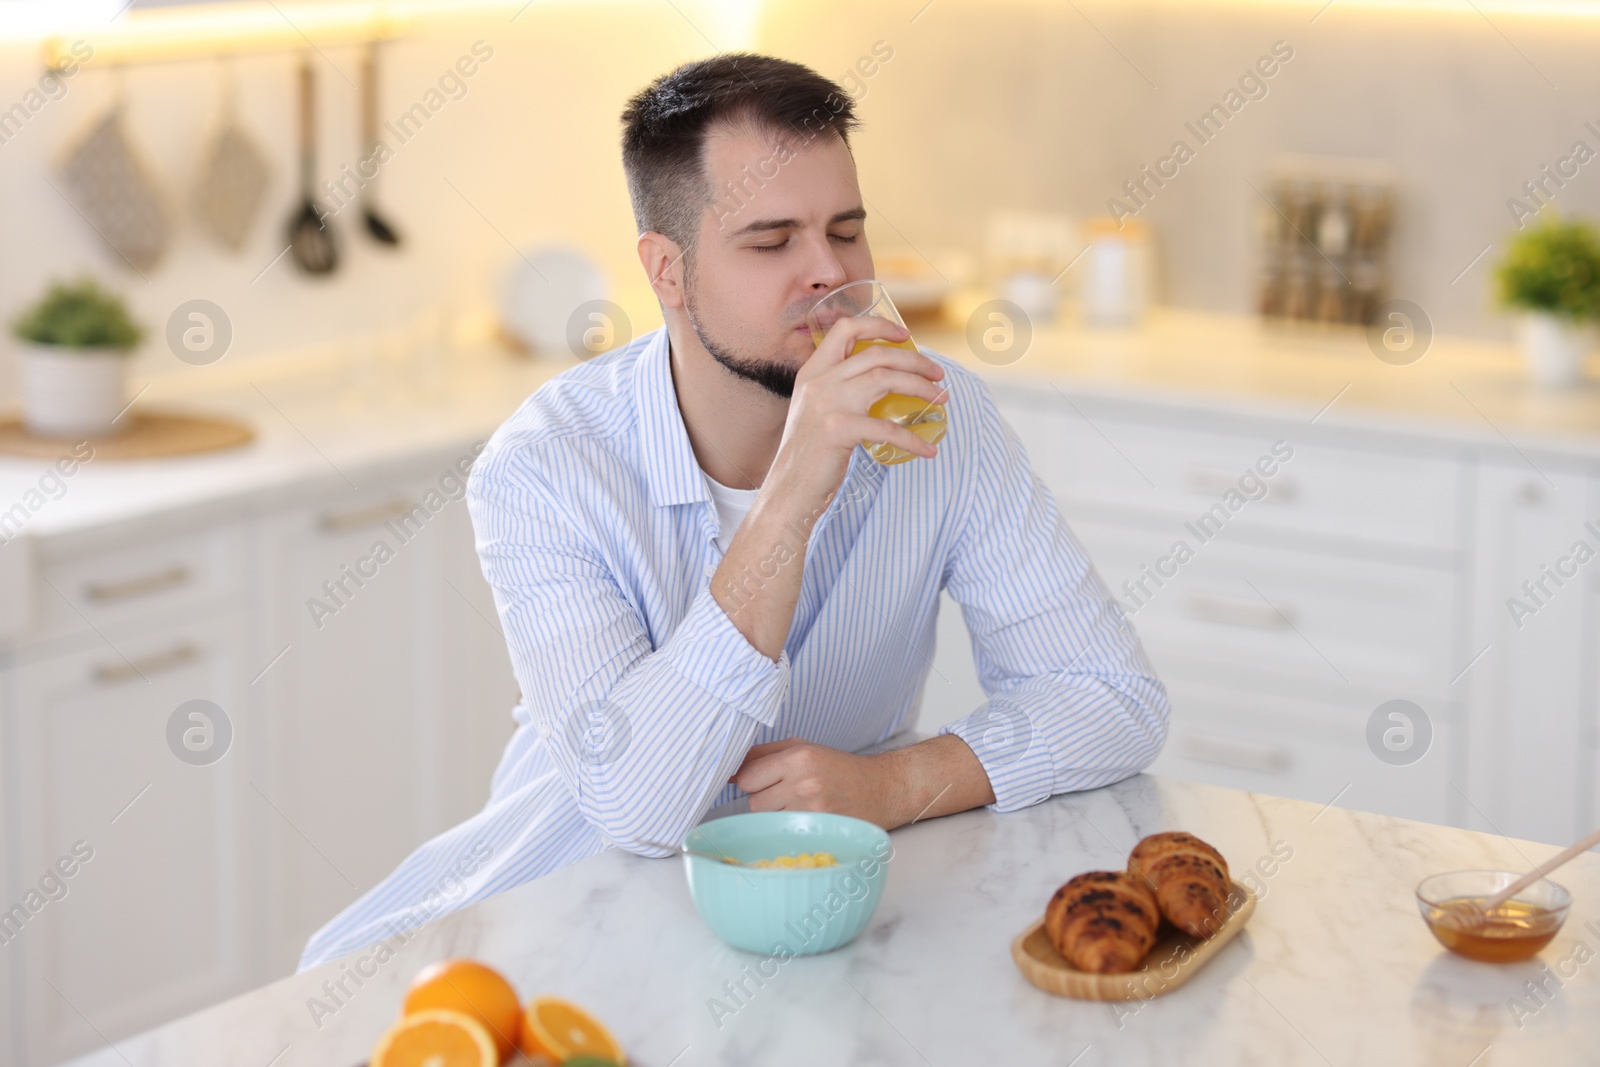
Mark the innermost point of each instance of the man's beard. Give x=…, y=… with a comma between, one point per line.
x=775, y=376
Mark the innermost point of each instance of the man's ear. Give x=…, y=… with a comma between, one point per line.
x=662, y=260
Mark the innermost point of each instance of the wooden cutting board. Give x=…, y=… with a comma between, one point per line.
x=149, y=435
x=1172, y=962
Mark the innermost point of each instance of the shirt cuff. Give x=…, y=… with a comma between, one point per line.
x=708, y=650
x=1013, y=753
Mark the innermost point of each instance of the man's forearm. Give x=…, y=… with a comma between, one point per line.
x=758, y=581
x=939, y=776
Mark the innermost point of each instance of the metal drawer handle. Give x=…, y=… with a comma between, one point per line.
x=107, y=592
x=355, y=518
x=116, y=673
x=1214, y=482
x=1209, y=607
x=1242, y=754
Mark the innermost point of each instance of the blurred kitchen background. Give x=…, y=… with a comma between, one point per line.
x=196, y=692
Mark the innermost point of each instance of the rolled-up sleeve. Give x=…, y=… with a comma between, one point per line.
x=1073, y=702
x=642, y=736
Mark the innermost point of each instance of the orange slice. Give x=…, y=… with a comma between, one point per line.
x=470, y=987
x=436, y=1039
x=558, y=1031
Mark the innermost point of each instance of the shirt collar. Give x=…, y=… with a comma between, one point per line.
x=671, y=471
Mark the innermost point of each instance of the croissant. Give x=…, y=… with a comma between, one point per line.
x=1103, y=922
x=1189, y=878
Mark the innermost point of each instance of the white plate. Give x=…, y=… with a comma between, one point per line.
x=541, y=291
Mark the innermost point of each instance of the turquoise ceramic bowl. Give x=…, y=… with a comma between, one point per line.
x=787, y=911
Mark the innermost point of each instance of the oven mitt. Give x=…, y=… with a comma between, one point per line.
x=108, y=182
x=232, y=187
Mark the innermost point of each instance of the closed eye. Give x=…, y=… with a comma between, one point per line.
x=848, y=239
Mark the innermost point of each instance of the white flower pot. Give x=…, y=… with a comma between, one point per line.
x=72, y=392
x=1555, y=347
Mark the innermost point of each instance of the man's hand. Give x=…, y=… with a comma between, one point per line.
x=936, y=777
x=832, y=393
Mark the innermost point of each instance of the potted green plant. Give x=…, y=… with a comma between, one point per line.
x=75, y=344
x=1552, y=274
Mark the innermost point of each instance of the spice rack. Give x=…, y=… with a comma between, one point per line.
x=1323, y=232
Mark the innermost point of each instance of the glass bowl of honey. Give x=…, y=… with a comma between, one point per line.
x=1452, y=906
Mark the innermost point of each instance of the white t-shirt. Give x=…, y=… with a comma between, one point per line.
x=732, y=506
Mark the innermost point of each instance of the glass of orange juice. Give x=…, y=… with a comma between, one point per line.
x=867, y=297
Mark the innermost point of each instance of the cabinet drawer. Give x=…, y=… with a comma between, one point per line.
x=1281, y=612
x=104, y=589
x=1307, y=750
x=1318, y=488
x=155, y=922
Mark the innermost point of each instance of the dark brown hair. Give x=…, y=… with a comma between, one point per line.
x=665, y=126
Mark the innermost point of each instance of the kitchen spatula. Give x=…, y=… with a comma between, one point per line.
x=379, y=228
x=311, y=242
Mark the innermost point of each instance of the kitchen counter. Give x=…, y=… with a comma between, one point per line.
x=327, y=415
x=320, y=417
x=1475, y=392
x=1335, y=966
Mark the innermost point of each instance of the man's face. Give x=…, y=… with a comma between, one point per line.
x=784, y=228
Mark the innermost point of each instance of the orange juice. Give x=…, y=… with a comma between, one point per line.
x=925, y=420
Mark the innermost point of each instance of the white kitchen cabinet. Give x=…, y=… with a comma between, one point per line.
x=1270, y=738
x=1312, y=750
x=355, y=736
x=10, y=962
x=1281, y=610
x=135, y=582
x=153, y=921
x=1293, y=618
x=467, y=682
x=1589, y=694
x=1331, y=489
x=1526, y=720
x=388, y=698
x=16, y=593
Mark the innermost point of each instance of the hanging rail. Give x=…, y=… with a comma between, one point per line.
x=148, y=37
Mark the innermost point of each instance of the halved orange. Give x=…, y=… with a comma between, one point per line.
x=437, y=1038
x=470, y=987
x=556, y=1030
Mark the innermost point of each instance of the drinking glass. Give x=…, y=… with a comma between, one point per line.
x=927, y=420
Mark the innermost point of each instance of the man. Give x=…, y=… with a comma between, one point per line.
x=710, y=590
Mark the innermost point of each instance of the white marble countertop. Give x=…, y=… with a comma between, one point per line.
x=1335, y=967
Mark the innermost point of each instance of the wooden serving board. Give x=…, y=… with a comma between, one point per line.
x=1173, y=960
x=148, y=435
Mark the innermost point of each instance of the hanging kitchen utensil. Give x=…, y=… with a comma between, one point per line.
x=233, y=179
x=109, y=183
x=378, y=227
x=311, y=242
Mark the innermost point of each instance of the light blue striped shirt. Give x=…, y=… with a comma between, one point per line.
x=597, y=531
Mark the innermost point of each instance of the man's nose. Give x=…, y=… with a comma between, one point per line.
x=823, y=269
